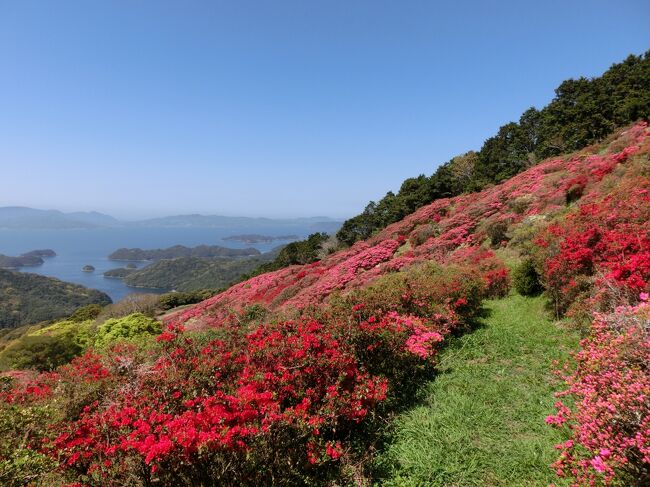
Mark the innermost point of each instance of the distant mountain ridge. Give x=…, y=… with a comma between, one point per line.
x=197, y=220
x=20, y=217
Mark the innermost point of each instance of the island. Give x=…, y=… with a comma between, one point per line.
x=203, y=251
x=131, y=265
x=252, y=238
x=40, y=253
x=193, y=273
x=120, y=272
x=7, y=262
x=87, y=268
x=28, y=259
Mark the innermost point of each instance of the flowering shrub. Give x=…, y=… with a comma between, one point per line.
x=604, y=241
x=610, y=422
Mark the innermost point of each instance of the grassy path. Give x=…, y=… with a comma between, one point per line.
x=481, y=421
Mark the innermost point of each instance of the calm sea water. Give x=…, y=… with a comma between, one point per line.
x=79, y=247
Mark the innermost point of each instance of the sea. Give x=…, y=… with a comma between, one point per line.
x=76, y=248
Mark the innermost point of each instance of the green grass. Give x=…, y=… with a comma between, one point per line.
x=481, y=420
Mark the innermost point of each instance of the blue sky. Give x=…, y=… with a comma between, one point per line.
x=274, y=108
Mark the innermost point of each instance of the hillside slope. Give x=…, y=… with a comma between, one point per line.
x=30, y=298
x=442, y=231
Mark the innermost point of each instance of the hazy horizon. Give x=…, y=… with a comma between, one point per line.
x=137, y=215
x=289, y=109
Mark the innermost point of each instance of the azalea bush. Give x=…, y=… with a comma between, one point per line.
x=608, y=414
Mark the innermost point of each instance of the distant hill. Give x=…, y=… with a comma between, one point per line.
x=251, y=238
x=30, y=298
x=28, y=259
x=206, y=251
x=196, y=220
x=18, y=217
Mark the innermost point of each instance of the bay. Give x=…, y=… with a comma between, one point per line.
x=76, y=248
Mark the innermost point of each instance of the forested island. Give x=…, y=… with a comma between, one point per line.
x=119, y=273
x=206, y=251
x=40, y=253
x=28, y=259
x=191, y=273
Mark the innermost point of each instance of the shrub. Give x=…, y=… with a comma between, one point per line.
x=48, y=347
x=526, y=279
x=288, y=400
x=497, y=232
x=608, y=415
x=130, y=328
x=423, y=233
x=146, y=304
x=19, y=464
x=173, y=300
x=86, y=313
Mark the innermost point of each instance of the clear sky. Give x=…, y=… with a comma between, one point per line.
x=274, y=108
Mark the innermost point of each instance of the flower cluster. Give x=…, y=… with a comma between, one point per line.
x=610, y=386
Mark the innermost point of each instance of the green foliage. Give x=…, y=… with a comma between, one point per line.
x=497, y=232
x=173, y=300
x=19, y=464
x=47, y=348
x=136, y=327
x=526, y=279
x=582, y=112
x=414, y=193
x=29, y=298
x=86, y=313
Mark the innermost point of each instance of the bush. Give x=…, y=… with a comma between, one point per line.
x=86, y=313
x=526, y=279
x=21, y=465
x=146, y=304
x=497, y=232
x=48, y=347
x=423, y=233
x=608, y=414
x=130, y=328
x=173, y=300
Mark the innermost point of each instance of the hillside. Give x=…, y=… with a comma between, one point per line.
x=444, y=231
x=29, y=298
x=583, y=111
x=294, y=375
